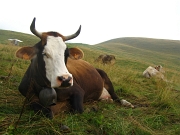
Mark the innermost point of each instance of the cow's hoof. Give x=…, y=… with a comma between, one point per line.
x=36, y=107
x=126, y=103
x=77, y=111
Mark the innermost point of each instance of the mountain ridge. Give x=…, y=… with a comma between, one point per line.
x=157, y=45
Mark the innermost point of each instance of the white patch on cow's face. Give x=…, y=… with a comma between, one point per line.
x=54, y=60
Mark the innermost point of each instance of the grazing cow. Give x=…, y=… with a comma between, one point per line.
x=106, y=59
x=154, y=71
x=58, y=76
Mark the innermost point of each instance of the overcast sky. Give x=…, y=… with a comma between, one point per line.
x=101, y=20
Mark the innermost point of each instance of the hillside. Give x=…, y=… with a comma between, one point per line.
x=144, y=51
x=156, y=45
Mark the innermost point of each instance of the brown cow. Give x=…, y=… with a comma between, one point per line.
x=106, y=59
x=58, y=76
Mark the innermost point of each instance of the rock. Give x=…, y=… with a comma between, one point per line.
x=65, y=129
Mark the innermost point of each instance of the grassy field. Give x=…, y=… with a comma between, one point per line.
x=158, y=102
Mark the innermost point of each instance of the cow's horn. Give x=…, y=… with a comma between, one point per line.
x=33, y=29
x=73, y=35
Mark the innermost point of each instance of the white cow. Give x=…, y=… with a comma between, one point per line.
x=154, y=71
x=15, y=41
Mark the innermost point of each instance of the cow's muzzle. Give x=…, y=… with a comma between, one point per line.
x=65, y=81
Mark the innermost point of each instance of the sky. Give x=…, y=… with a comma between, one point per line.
x=101, y=20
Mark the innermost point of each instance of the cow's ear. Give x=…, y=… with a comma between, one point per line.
x=76, y=53
x=26, y=53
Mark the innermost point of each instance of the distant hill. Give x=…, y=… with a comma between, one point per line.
x=27, y=39
x=157, y=45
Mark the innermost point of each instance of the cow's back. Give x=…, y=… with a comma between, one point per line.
x=87, y=78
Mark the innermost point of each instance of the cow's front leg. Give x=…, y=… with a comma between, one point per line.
x=74, y=95
x=76, y=99
x=37, y=107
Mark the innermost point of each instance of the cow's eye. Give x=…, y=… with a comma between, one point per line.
x=45, y=54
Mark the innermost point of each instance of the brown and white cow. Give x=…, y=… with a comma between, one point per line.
x=154, y=71
x=62, y=74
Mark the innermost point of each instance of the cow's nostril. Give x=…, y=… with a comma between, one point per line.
x=61, y=78
x=69, y=78
x=66, y=81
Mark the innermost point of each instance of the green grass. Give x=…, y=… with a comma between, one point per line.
x=158, y=102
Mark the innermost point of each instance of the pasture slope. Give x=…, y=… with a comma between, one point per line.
x=157, y=102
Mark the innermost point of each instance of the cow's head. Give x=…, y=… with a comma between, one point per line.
x=51, y=55
x=159, y=68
